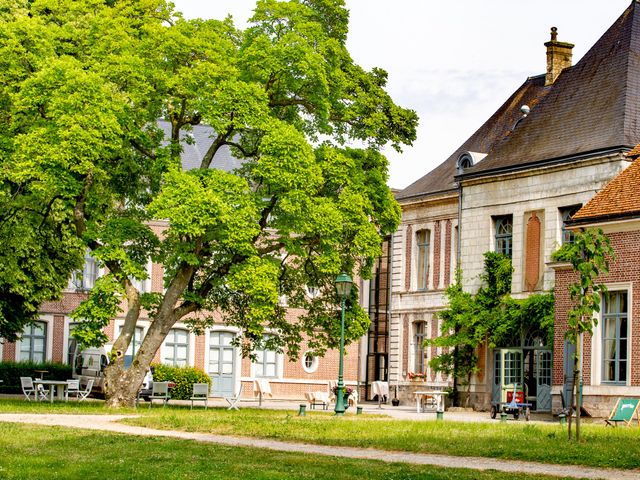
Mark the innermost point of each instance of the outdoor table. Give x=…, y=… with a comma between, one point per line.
x=438, y=396
x=41, y=372
x=59, y=385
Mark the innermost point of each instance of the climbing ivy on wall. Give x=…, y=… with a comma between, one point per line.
x=491, y=316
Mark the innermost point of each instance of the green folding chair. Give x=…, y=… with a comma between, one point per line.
x=624, y=411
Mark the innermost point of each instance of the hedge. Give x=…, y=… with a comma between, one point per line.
x=183, y=377
x=10, y=373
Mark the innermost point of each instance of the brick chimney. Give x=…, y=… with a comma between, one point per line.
x=558, y=57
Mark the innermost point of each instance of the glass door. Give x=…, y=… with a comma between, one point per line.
x=222, y=356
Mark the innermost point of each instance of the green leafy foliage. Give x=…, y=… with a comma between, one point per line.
x=10, y=373
x=86, y=165
x=491, y=316
x=589, y=255
x=183, y=377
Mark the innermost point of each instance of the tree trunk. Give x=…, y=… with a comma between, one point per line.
x=122, y=385
x=577, y=382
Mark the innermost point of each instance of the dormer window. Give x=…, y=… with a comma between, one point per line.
x=468, y=160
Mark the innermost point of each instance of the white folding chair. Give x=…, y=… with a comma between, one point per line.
x=200, y=393
x=233, y=401
x=83, y=394
x=73, y=388
x=28, y=389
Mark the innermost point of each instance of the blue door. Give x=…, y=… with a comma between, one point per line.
x=222, y=355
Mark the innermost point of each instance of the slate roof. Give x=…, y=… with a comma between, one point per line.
x=193, y=152
x=491, y=133
x=593, y=106
x=619, y=198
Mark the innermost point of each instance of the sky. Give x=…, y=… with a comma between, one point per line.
x=453, y=62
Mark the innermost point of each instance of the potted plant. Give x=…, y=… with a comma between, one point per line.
x=417, y=377
x=346, y=391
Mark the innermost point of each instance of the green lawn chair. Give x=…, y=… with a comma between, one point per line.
x=624, y=411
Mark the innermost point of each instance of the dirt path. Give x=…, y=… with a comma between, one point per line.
x=109, y=423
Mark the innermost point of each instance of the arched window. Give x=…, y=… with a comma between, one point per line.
x=504, y=234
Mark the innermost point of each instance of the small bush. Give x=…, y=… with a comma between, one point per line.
x=10, y=373
x=183, y=377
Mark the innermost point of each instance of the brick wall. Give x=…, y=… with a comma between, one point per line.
x=407, y=271
x=58, y=353
x=437, y=246
x=447, y=253
x=625, y=269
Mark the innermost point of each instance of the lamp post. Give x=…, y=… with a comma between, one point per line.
x=343, y=287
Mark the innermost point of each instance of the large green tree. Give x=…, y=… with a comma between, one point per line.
x=84, y=160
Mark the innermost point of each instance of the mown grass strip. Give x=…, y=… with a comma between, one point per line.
x=61, y=453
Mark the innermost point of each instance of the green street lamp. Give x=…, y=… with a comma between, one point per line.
x=343, y=287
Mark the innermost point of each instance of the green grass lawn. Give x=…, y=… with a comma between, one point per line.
x=602, y=447
x=59, y=453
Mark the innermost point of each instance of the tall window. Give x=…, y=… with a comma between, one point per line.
x=420, y=353
x=422, y=243
x=33, y=345
x=85, y=279
x=176, y=347
x=614, y=337
x=504, y=234
x=72, y=343
x=566, y=213
x=266, y=363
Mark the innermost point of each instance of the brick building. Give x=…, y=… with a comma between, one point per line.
x=611, y=356
x=49, y=339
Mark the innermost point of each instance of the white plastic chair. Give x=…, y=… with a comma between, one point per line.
x=160, y=391
x=200, y=393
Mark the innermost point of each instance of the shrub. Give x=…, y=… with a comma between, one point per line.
x=10, y=373
x=183, y=377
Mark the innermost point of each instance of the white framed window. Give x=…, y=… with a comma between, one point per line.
x=567, y=236
x=33, y=344
x=86, y=278
x=615, y=337
x=420, y=361
x=310, y=362
x=176, y=348
x=72, y=343
x=504, y=234
x=266, y=363
x=423, y=240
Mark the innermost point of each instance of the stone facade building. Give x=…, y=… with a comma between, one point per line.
x=510, y=188
x=611, y=355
